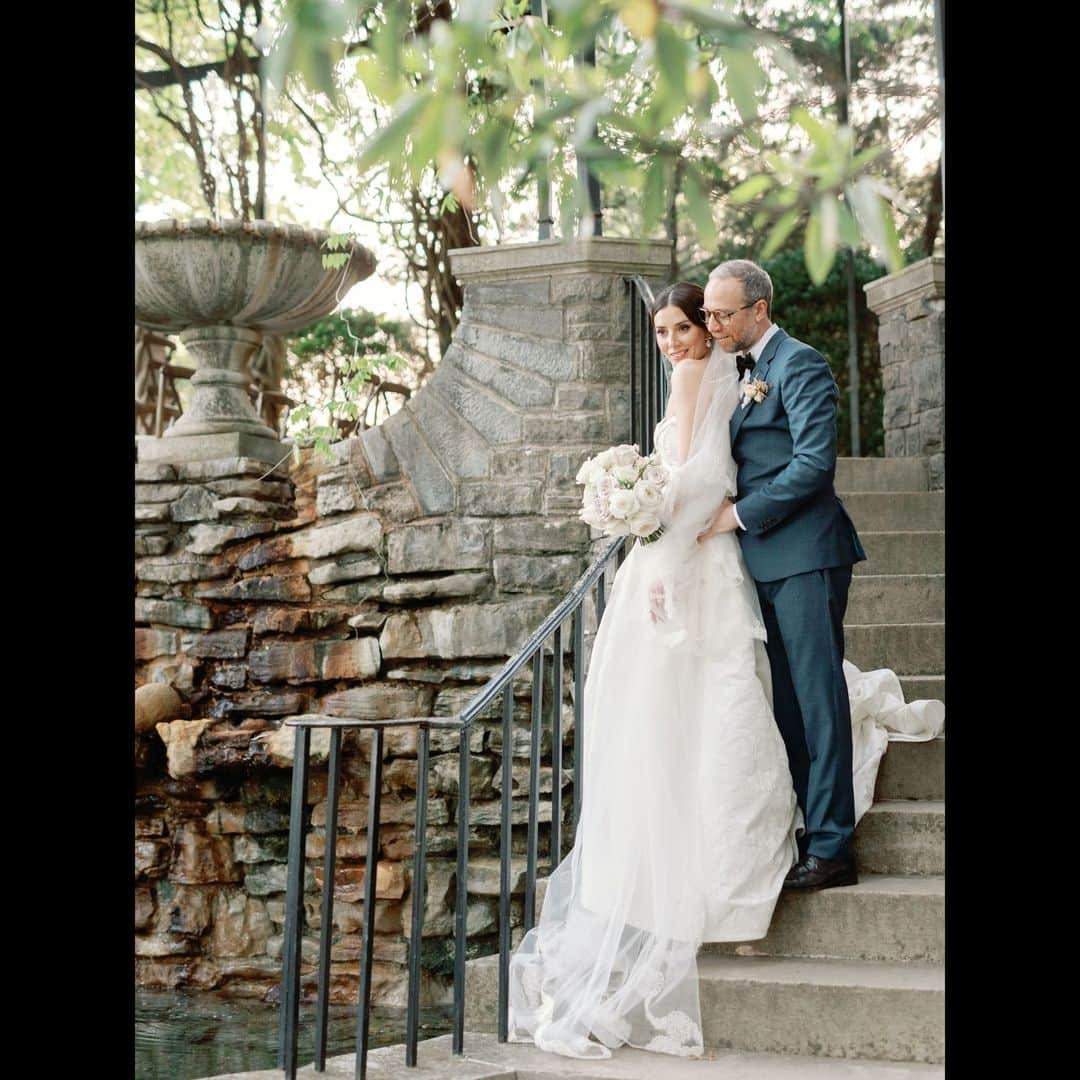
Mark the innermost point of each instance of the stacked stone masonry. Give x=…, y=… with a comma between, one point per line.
x=392, y=581
x=910, y=306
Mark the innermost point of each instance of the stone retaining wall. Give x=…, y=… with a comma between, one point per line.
x=390, y=582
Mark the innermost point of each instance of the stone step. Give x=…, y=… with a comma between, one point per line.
x=901, y=836
x=896, y=598
x=889, y=919
x=923, y=687
x=828, y=1008
x=902, y=553
x=485, y=1058
x=881, y=474
x=907, y=648
x=912, y=770
x=890, y=511
x=780, y=1005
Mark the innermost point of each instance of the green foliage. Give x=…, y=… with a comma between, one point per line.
x=817, y=314
x=329, y=367
x=200, y=141
x=492, y=93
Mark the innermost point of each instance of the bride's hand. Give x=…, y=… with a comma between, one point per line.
x=722, y=521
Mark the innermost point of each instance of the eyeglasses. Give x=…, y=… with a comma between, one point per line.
x=722, y=318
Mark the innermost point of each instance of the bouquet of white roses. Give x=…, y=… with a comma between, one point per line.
x=624, y=493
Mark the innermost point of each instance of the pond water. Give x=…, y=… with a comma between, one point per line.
x=186, y=1035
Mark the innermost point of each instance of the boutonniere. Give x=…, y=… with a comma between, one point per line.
x=754, y=390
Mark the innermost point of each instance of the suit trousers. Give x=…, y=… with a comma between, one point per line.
x=804, y=620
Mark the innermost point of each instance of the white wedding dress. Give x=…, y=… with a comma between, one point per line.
x=688, y=816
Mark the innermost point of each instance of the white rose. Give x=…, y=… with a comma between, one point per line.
x=622, y=503
x=625, y=474
x=626, y=454
x=595, y=512
x=648, y=494
x=585, y=473
x=605, y=459
x=616, y=528
x=606, y=485
x=644, y=523
x=656, y=474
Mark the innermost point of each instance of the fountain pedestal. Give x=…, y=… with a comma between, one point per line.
x=223, y=285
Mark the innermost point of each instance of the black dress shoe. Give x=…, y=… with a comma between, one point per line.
x=814, y=872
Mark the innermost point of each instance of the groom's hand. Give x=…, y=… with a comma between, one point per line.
x=723, y=521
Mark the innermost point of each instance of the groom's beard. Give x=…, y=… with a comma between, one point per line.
x=746, y=341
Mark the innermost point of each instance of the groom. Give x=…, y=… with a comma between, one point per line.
x=799, y=545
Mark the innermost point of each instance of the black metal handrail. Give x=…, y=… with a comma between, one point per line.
x=648, y=393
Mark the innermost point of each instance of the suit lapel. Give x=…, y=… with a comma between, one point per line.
x=760, y=371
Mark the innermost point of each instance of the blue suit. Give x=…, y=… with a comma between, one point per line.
x=800, y=545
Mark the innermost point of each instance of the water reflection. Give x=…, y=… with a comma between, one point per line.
x=186, y=1035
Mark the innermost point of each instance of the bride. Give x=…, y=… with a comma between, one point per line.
x=689, y=820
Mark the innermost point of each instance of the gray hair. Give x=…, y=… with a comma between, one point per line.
x=756, y=283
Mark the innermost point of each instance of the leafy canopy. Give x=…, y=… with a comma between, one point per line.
x=493, y=95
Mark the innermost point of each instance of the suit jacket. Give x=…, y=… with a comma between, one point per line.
x=785, y=451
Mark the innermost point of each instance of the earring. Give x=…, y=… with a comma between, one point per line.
x=708, y=342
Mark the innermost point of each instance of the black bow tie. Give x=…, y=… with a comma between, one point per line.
x=744, y=363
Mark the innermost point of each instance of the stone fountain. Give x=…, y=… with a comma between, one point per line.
x=222, y=285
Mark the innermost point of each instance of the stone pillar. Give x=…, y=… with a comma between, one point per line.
x=910, y=306
x=536, y=378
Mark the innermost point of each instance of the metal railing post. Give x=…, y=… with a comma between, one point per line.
x=504, y=859
x=536, y=721
x=412, y=1017
x=294, y=909
x=461, y=911
x=556, y=748
x=371, y=866
x=579, y=707
x=327, y=912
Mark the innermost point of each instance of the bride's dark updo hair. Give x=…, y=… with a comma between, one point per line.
x=689, y=299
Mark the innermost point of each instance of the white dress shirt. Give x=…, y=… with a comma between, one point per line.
x=755, y=351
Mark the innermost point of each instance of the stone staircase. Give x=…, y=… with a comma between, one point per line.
x=857, y=972
x=849, y=983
